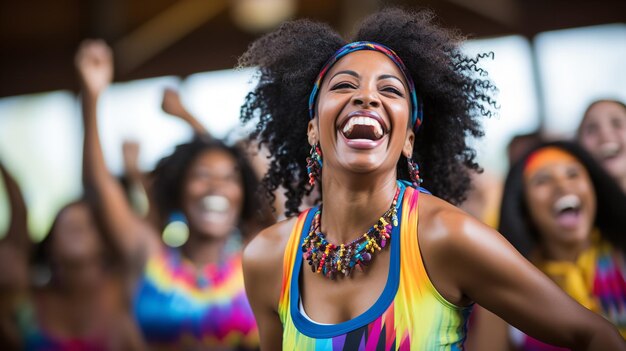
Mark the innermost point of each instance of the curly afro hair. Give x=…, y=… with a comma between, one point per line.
x=170, y=171
x=448, y=83
x=516, y=224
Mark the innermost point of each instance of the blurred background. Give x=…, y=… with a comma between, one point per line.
x=551, y=59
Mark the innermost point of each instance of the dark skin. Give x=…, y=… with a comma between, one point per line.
x=83, y=300
x=462, y=255
x=173, y=105
x=213, y=172
x=137, y=237
x=14, y=250
x=543, y=188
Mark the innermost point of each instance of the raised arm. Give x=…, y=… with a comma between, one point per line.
x=488, y=270
x=94, y=64
x=17, y=233
x=14, y=251
x=174, y=106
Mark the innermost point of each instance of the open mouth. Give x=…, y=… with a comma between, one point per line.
x=567, y=211
x=215, y=208
x=609, y=150
x=363, y=125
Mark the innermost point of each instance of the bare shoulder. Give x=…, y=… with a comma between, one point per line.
x=454, y=245
x=445, y=226
x=269, y=244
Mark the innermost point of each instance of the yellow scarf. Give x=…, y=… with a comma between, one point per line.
x=575, y=278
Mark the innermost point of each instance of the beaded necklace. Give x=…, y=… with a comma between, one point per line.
x=331, y=260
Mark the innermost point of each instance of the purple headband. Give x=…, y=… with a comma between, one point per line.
x=416, y=107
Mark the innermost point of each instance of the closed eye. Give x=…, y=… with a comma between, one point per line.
x=343, y=85
x=393, y=90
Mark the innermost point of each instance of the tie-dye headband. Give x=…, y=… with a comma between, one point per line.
x=416, y=107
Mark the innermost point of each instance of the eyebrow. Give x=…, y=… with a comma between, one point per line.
x=352, y=73
x=387, y=76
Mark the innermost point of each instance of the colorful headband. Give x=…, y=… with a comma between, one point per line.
x=545, y=156
x=416, y=107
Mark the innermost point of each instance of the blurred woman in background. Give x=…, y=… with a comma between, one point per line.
x=603, y=133
x=191, y=297
x=75, y=297
x=566, y=215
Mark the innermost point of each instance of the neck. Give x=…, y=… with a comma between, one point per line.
x=353, y=203
x=202, y=250
x=622, y=183
x=78, y=280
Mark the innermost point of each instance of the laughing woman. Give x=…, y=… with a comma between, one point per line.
x=192, y=297
x=602, y=132
x=562, y=211
x=380, y=264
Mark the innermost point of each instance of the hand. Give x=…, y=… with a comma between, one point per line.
x=172, y=105
x=94, y=63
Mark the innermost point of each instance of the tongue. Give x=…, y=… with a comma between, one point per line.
x=568, y=219
x=361, y=132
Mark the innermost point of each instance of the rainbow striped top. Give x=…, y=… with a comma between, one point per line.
x=178, y=308
x=409, y=314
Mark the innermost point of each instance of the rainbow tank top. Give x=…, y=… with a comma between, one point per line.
x=177, y=308
x=409, y=314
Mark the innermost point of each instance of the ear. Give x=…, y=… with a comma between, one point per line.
x=407, y=149
x=312, y=132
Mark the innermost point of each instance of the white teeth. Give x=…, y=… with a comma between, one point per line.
x=609, y=149
x=365, y=121
x=216, y=203
x=567, y=201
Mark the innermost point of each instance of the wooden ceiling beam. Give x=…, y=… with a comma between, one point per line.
x=163, y=30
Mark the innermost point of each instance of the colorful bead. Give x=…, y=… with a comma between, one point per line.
x=330, y=260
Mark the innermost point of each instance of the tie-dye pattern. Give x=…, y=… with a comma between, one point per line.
x=606, y=287
x=177, y=308
x=34, y=338
x=409, y=315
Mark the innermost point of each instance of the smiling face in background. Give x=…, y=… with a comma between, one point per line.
x=362, y=114
x=603, y=134
x=213, y=194
x=561, y=200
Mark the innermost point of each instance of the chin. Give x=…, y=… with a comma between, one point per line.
x=216, y=231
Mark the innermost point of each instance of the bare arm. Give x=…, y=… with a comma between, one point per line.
x=173, y=105
x=95, y=68
x=487, y=332
x=17, y=233
x=140, y=184
x=488, y=270
x=14, y=251
x=263, y=267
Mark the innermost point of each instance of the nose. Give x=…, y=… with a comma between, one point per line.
x=606, y=133
x=366, y=97
x=562, y=183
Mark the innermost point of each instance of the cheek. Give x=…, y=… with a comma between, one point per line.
x=621, y=132
x=234, y=191
x=536, y=199
x=193, y=188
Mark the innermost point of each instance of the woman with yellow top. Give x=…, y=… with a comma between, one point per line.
x=565, y=213
x=381, y=264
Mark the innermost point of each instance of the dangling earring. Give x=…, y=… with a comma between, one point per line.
x=176, y=232
x=414, y=172
x=314, y=164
